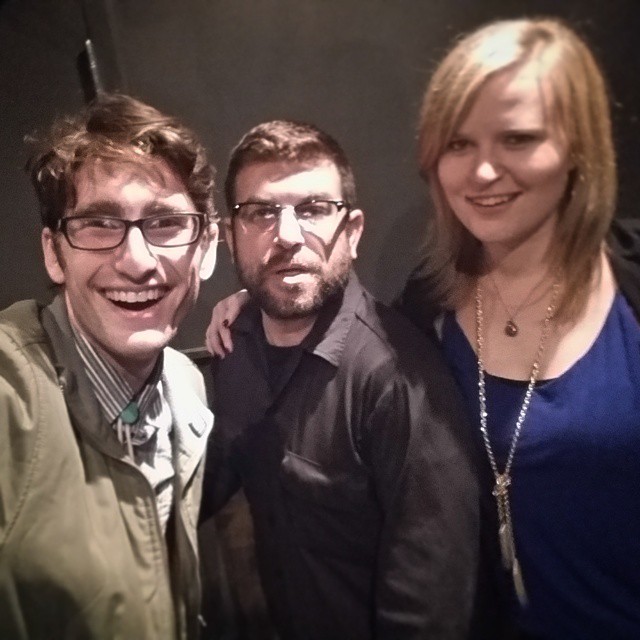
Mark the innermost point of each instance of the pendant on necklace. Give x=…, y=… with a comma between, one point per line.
x=507, y=547
x=518, y=583
x=511, y=328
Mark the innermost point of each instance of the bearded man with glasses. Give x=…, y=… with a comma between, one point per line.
x=337, y=418
x=102, y=426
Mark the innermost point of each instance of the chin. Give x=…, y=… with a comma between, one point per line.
x=491, y=234
x=145, y=344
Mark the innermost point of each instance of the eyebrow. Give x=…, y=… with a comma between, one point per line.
x=526, y=129
x=113, y=208
x=101, y=207
x=506, y=129
x=305, y=198
x=158, y=208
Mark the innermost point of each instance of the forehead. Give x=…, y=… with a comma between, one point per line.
x=128, y=184
x=518, y=96
x=288, y=179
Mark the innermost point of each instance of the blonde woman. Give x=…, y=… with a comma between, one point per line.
x=515, y=142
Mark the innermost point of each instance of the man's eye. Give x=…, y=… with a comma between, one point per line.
x=98, y=224
x=263, y=212
x=312, y=210
x=168, y=222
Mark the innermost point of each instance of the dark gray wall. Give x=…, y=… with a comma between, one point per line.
x=355, y=67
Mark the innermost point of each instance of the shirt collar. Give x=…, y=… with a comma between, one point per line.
x=112, y=391
x=328, y=336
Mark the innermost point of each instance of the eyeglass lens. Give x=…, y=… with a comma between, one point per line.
x=172, y=230
x=309, y=214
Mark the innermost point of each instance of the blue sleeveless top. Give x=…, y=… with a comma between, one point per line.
x=575, y=492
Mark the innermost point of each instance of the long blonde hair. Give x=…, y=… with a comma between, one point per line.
x=582, y=112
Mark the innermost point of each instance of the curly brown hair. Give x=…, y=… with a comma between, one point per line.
x=115, y=127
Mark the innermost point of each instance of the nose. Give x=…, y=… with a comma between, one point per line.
x=487, y=168
x=289, y=233
x=135, y=257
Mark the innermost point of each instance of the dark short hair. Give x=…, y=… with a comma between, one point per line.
x=287, y=141
x=118, y=128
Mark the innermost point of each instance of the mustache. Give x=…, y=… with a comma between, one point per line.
x=284, y=261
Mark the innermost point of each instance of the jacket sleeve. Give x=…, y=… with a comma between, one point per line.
x=426, y=480
x=21, y=407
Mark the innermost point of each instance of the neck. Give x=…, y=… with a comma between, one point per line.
x=521, y=264
x=135, y=373
x=521, y=261
x=288, y=332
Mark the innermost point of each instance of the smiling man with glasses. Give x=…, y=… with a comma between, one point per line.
x=337, y=418
x=102, y=426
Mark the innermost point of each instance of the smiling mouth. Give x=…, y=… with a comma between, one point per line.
x=489, y=201
x=135, y=300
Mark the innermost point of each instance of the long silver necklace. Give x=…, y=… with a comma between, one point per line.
x=503, y=480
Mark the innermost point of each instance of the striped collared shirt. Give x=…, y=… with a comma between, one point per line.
x=148, y=440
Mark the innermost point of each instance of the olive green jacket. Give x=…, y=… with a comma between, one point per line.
x=82, y=554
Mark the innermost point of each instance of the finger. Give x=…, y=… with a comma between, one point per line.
x=214, y=344
x=225, y=338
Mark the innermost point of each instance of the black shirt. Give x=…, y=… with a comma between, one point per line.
x=358, y=472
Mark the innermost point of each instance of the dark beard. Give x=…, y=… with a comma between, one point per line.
x=296, y=306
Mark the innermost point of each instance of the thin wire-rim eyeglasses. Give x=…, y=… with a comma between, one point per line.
x=303, y=212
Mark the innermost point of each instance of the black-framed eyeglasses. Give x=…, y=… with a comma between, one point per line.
x=102, y=233
x=310, y=214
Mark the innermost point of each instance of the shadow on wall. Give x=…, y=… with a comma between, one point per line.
x=402, y=250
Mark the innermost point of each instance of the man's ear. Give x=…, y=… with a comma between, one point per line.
x=210, y=252
x=228, y=236
x=355, y=227
x=53, y=261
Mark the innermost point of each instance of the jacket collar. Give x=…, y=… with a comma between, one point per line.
x=191, y=419
x=84, y=409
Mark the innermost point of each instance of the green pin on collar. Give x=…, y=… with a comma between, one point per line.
x=130, y=413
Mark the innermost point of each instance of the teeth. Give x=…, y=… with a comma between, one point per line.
x=134, y=296
x=491, y=201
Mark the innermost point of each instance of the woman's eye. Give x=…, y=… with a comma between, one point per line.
x=519, y=139
x=457, y=144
